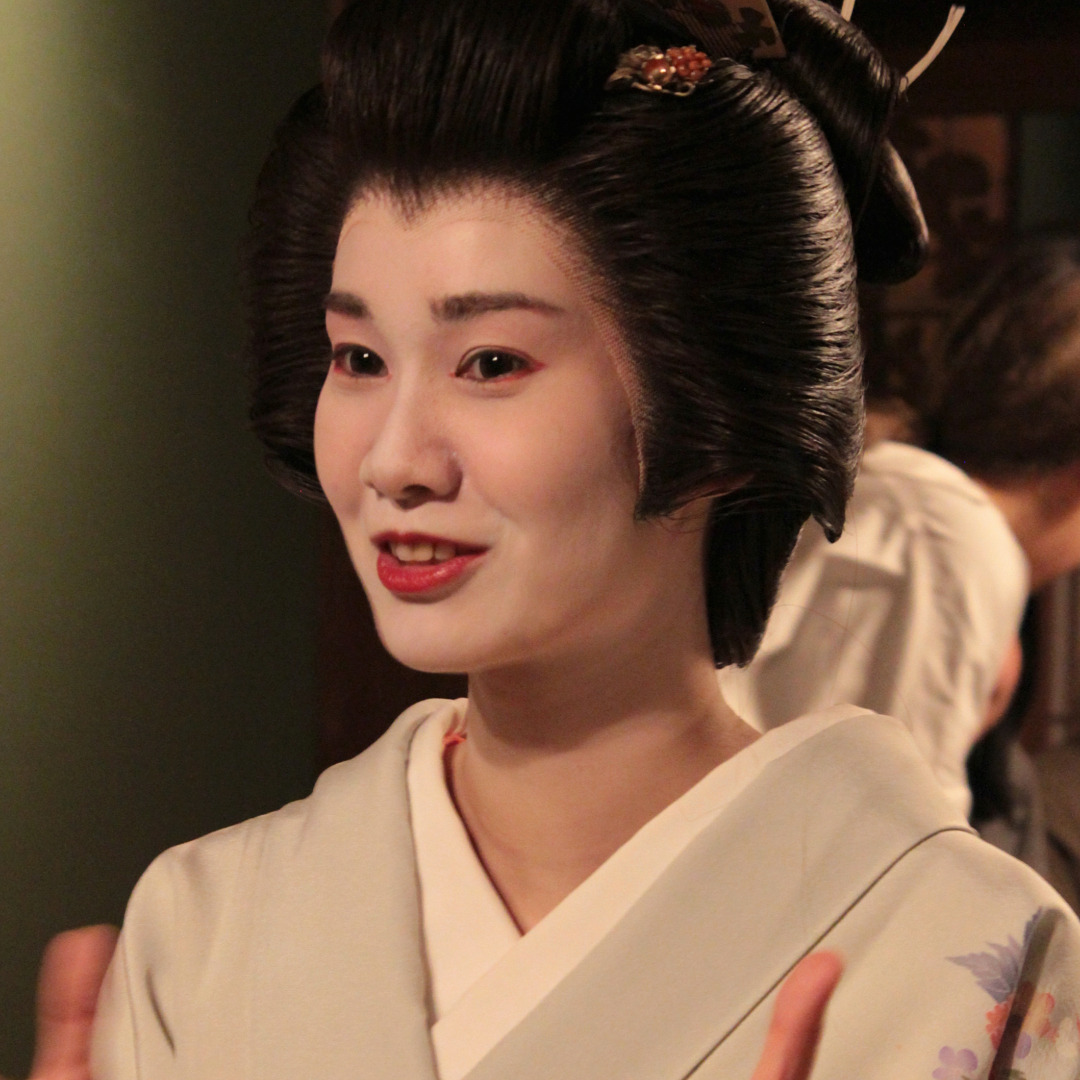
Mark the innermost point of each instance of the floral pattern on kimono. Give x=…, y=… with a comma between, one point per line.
x=1044, y=1030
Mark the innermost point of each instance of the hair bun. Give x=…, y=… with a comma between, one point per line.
x=852, y=92
x=891, y=237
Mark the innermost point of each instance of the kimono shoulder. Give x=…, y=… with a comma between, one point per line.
x=259, y=950
x=846, y=843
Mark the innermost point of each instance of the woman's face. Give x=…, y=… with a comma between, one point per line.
x=475, y=441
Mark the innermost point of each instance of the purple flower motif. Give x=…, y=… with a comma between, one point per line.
x=955, y=1064
x=1023, y=1046
x=998, y=972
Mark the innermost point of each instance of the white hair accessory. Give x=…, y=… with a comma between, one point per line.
x=956, y=13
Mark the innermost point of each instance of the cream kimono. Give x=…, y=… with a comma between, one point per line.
x=292, y=946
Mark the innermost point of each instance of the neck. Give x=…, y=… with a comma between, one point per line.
x=565, y=762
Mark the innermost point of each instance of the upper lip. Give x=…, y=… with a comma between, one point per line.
x=462, y=547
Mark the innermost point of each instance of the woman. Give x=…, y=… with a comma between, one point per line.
x=593, y=359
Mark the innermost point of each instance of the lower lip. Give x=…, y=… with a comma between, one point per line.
x=413, y=578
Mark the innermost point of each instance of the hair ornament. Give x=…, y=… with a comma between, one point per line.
x=952, y=21
x=729, y=27
x=674, y=71
x=726, y=28
x=956, y=13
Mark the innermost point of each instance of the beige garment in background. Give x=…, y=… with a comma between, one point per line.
x=290, y=946
x=909, y=613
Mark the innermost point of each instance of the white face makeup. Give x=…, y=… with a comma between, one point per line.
x=475, y=441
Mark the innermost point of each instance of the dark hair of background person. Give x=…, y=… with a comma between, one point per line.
x=1000, y=396
x=988, y=760
x=719, y=227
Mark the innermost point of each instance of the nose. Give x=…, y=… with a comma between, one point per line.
x=411, y=460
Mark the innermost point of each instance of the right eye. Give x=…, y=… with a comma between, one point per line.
x=357, y=361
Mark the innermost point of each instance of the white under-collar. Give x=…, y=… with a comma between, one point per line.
x=485, y=976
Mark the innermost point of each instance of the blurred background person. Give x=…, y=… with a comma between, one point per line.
x=916, y=609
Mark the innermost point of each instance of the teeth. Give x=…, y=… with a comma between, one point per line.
x=422, y=551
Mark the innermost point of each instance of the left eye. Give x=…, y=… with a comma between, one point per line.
x=488, y=365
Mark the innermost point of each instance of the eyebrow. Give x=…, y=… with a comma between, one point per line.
x=450, y=308
x=471, y=305
x=344, y=303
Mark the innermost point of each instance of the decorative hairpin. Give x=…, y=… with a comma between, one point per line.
x=729, y=27
x=666, y=71
x=956, y=13
x=952, y=21
x=724, y=27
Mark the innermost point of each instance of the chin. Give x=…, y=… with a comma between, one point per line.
x=430, y=663
x=433, y=651
x=444, y=650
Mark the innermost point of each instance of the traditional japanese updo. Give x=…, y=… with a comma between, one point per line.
x=719, y=226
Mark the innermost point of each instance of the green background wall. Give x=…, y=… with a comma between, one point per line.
x=156, y=597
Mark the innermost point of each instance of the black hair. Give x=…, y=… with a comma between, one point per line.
x=993, y=796
x=1001, y=396
x=725, y=229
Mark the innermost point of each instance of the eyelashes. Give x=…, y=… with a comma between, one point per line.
x=357, y=361
x=494, y=365
x=483, y=365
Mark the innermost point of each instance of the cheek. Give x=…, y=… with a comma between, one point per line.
x=567, y=472
x=338, y=451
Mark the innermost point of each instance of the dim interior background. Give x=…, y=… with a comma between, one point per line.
x=161, y=602
x=156, y=588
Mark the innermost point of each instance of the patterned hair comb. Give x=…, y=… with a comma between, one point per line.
x=729, y=27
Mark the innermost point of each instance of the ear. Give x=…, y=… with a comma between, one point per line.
x=1060, y=492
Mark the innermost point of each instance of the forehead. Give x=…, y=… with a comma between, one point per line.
x=478, y=239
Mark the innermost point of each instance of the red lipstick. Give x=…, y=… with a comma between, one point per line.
x=413, y=574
